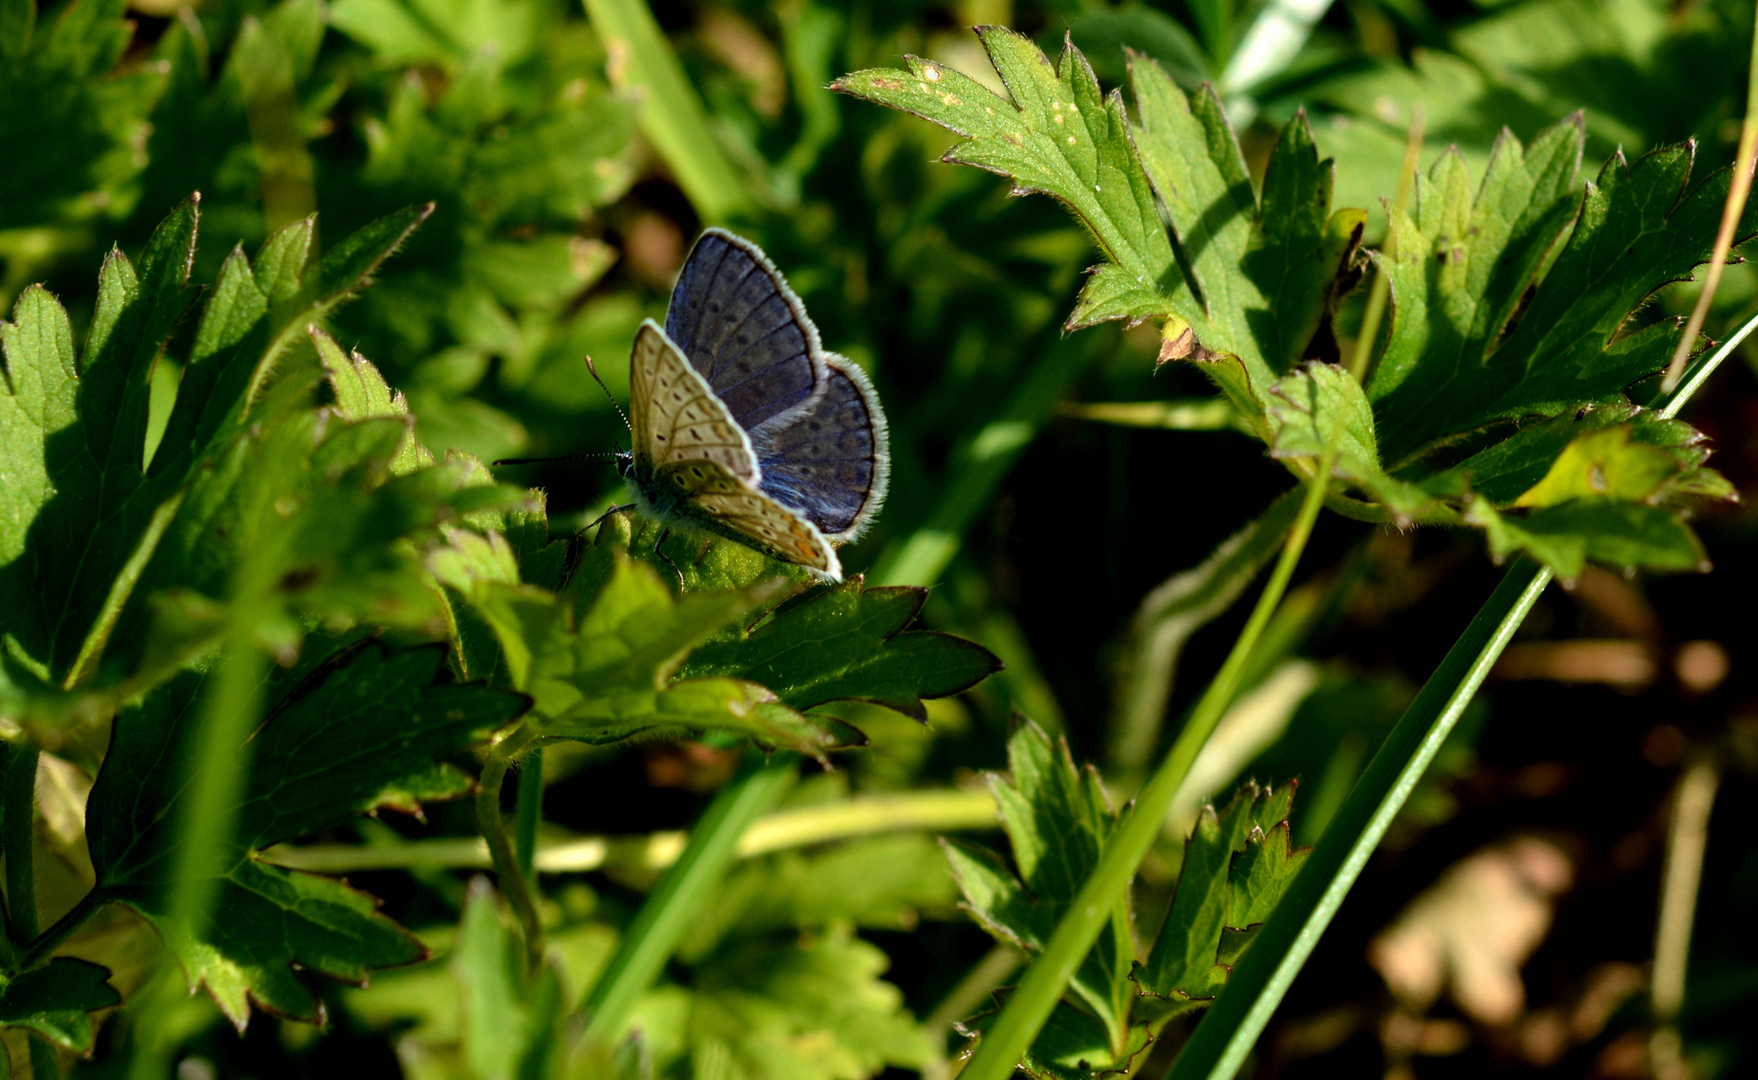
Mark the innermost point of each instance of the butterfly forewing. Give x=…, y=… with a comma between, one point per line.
x=744, y=330
x=830, y=460
x=675, y=417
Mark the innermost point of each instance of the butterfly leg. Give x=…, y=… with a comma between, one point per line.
x=623, y=509
x=707, y=541
x=663, y=533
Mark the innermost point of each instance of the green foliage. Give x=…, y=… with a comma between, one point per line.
x=1057, y=135
x=811, y=1006
x=1513, y=303
x=776, y=986
x=1236, y=865
x=1057, y=819
x=511, y=1021
x=61, y=90
x=848, y=642
x=355, y=737
x=56, y=1001
x=255, y=518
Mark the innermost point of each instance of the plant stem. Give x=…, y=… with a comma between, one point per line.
x=49, y=940
x=218, y=764
x=929, y=810
x=1360, y=364
x=1680, y=883
x=515, y=885
x=1701, y=372
x=1738, y=190
x=18, y=805
x=679, y=896
x=1006, y=1042
x=530, y=809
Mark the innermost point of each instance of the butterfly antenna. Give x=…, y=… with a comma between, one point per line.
x=593, y=368
x=596, y=455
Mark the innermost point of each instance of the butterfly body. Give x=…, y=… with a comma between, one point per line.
x=743, y=426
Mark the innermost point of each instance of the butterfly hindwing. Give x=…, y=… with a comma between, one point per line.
x=723, y=504
x=675, y=417
x=829, y=460
x=744, y=330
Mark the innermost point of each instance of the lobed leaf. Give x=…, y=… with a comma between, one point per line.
x=340, y=746
x=56, y=1001
x=1237, y=864
x=1057, y=820
x=849, y=642
x=1056, y=134
x=1261, y=271
x=1459, y=359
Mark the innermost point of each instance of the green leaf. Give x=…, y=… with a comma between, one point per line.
x=56, y=1001
x=348, y=267
x=1262, y=268
x=362, y=393
x=83, y=528
x=1057, y=819
x=335, y=748
x=1505, y=471
x=806, y=1007
x=1236, y=866
x=1055, y=133
x=848, y=642
x=1606, y=462
x=444, y=33
x=607, y=671
x=1459, y=359
x=77, y=433
x=512, y=1023
x=1621, y=534
x=880, y=883
x=76, y=121
x=1320, y=407
x=1072, y=1045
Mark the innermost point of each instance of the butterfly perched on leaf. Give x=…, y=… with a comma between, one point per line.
x=743, y=425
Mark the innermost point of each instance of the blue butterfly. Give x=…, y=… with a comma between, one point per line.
x=743, y=425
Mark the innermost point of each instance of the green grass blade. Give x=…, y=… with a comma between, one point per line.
x=1256, y=986
x=1275, y=37
x=680, y=894
x=672, y=116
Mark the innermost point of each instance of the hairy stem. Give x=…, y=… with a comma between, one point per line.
x=18, y=804
x=530, y=809
x=493, y=826
x=49, y=940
